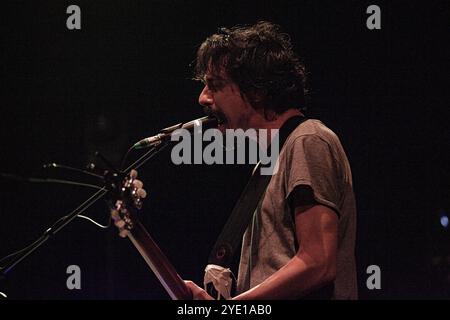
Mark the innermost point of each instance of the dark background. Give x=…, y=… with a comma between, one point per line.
x=125, y=75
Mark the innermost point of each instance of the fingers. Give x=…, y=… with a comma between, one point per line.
x=192, y=287
x=197, y=292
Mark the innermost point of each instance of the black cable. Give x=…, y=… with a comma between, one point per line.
x=124, y=158
x=48, y=180
x=142, y=160
x=60, y=223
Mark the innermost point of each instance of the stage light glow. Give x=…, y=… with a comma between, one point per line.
x=444, y=221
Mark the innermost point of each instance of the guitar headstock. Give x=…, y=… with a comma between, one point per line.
x=127, y=197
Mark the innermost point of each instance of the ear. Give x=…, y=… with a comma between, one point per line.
x=256, y=98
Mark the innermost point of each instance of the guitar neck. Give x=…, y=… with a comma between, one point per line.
x=158, y=262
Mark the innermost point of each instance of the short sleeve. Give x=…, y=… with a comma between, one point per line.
x=310, y=164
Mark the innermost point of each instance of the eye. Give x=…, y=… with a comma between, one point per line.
x=216, y=85
x=209, y=84
x=212, y=86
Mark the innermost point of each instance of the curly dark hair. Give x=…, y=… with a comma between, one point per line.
x=260, y=60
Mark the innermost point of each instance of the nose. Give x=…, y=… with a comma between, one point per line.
x=206, y=98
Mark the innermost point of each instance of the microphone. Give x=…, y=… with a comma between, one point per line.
x=165, y=134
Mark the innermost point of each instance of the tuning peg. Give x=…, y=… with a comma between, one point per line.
x=141, y=193
x=138, y=193
x=138, y=203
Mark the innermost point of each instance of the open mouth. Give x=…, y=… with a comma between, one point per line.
x=221, y=119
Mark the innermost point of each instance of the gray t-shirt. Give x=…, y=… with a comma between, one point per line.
x=311, y=156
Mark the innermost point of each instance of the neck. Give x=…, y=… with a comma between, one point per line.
x=275, y=122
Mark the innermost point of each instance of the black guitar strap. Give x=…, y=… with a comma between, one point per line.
x=231, y=235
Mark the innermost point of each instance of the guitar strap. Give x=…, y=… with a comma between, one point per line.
x=217, y=272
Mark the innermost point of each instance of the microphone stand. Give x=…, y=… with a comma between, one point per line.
x=57, y=226
x=110, y=180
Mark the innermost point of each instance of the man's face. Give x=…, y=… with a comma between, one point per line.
x=225, y=100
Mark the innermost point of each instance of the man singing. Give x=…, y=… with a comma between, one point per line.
x=301, y=239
